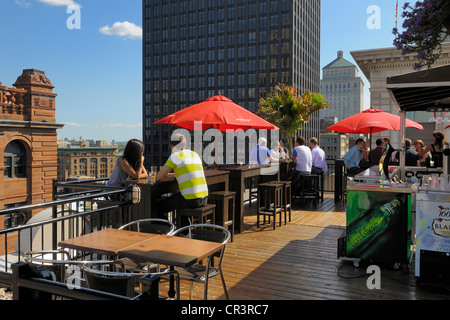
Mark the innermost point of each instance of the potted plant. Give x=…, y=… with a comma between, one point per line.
x=426, y=26
x=288, y=110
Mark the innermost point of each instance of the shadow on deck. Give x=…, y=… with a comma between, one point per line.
x=298, y=261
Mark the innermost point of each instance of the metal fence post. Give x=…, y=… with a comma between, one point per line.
x=338, y=179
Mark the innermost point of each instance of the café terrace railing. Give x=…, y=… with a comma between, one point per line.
x=78, y=207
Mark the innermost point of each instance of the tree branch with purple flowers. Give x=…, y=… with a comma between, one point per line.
x=424, y=30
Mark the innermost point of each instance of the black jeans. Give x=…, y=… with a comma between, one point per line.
x=355, y=170
x=295, y=179
x=316, y=170
x=177, y=201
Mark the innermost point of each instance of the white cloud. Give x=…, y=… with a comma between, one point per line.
x=73, y=124
x=124, y=29
x=106, y=125
x=59, y=2
x=23, y=3
x=121, y=125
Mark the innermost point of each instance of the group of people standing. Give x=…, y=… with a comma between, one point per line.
x=357, y=159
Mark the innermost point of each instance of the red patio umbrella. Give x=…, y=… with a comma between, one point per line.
x=217, y=112
x=372, y=121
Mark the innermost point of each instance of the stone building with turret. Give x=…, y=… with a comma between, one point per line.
x=28, y=143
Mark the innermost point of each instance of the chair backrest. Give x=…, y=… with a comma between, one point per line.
x=55, y=261
x=151, y=225
x=118, y=283
x=206, y=232
x=122, y=286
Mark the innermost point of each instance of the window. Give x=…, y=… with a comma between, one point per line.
x=15, y=160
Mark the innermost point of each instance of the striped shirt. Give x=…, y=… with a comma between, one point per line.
x=188, y=169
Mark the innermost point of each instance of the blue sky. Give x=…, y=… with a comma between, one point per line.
x=96, y=70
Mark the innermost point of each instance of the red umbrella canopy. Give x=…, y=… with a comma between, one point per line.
x=372, y=121
x=217, y=112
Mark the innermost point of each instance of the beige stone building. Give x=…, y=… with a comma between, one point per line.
x=379, y=64
x=81, y=162
x=343, y=88
x=335, y=145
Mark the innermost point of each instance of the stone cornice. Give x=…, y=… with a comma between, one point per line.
x=391, y=58
x=30, y=124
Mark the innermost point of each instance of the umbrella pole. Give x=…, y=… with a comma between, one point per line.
x=402, y=143
x=370, y=147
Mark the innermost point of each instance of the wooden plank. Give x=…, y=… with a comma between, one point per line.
x=298, y=261
x=107, y=241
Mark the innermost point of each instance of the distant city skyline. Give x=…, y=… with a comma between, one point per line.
x=97, y=69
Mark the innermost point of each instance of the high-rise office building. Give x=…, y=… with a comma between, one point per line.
x=194, y=49
x=343, y=88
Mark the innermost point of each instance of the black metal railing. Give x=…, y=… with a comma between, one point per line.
x=78, y=207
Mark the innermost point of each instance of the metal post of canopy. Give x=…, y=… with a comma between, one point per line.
x=402, y=143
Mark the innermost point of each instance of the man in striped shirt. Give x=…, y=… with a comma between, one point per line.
x=188, y=170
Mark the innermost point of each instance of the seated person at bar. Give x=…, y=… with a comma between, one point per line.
x=130, y=165
x=301, y=157
x=277, y=151
x=436, y=149
x=319, y=163
x=189, y=173
x=412, y=158
x=354, y=156
x=375, y=154
x=284, y=148
x=261, y=154
x=420, y=147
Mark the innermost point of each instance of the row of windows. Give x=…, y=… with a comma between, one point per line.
x=339, y=87
x=245, y=83
x=233, y=43
x=215, y=74
x=221, y=26
x=220, y=55
x=82, y=160
x=84, y=153
x=239, y=8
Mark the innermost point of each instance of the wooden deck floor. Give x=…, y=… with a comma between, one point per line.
x=298, y=261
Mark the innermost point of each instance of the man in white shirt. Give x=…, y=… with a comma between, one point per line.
x=261, y=154
x=301, y=156
x=319, y=163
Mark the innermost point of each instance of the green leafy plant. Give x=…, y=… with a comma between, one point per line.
x=288, y=110
x=424, y=30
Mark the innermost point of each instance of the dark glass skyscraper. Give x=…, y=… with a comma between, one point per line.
x=194, y=49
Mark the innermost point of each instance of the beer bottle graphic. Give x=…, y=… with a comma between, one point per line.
x=362, y=232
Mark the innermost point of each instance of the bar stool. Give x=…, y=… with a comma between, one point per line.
x=225, y=208
x=253, y=182
x=286, y=198
x=270, y=197
x=347, y=177
x=201, y=214
x=321, y=186
x=309, y=187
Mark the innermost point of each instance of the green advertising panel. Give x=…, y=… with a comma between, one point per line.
x=378, y=226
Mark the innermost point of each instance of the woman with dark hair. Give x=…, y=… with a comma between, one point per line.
x=436, y=149
x=130, y=165
x=420, y=147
